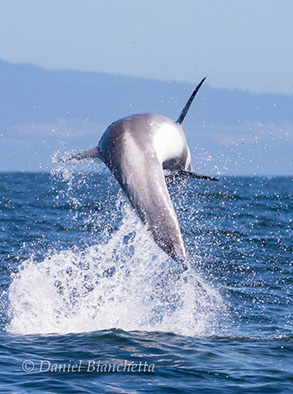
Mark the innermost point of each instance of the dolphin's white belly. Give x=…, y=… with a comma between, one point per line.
x=169, y=142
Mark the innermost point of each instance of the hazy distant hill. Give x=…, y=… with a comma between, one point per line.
x=40, y=108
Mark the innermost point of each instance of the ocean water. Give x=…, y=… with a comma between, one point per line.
x=90, y=304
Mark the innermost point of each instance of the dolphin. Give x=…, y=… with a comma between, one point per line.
x=146, y=153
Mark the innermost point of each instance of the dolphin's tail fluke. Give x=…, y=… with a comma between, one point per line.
x=188, y=104
x=89, y=154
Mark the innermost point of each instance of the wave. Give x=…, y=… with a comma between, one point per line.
x=123, y=281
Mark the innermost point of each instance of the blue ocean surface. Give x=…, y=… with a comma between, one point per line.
x=90, y=304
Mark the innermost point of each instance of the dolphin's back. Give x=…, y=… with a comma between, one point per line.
x=135, y=149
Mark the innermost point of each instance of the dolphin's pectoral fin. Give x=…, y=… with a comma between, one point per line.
x=89, y=154
x=174, y=177
x=189, y=174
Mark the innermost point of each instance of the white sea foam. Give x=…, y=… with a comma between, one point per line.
x=124, y=281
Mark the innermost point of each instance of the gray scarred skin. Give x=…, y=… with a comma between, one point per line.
x=127, y=147
x=137, y=149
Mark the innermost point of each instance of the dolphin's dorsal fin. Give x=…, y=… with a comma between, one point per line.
x=188, y=104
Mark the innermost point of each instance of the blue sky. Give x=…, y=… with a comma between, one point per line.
x=237, y=44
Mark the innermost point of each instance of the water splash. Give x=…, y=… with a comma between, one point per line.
x=123, y=281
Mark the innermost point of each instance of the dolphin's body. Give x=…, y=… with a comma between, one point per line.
x=137, y=149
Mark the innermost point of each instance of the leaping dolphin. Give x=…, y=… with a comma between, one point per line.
x=137, y=149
